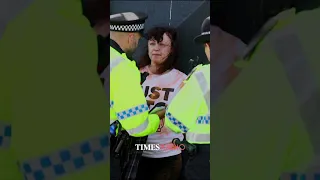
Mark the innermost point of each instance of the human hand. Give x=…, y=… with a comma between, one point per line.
x=161, y=113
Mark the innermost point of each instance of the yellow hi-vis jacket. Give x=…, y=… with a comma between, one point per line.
x=53, y=122
x=260, y=120
x=128, y=104
x=189, y=110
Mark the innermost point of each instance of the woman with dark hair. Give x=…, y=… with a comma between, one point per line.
x=161, y=85
x=164, y=56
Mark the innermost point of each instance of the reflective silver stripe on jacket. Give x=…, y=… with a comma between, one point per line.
x=205, y=88
x=106, y=73
x=292, y=55
x=69, y=160
x=302, y=78
x=5, y=135
x=115, y=62
x=195, y=137
x=112, y=121
x=139, y=129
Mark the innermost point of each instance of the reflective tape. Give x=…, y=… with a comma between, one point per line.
x=203, y=120
x=176, y=122
x=112, y=120
x=303, y=81
x=204, y=86
x=133, y=111
x=291, y=54
x=115, y=62
x=65, y=161
x=105, y=75
x=5, y=135
x=139, y=129
x=195, y=137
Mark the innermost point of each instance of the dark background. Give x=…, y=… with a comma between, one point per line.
x=186, y=16
x=244, y=18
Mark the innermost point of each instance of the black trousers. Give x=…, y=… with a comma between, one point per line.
x=185, y=156
x=198, y=166
x=166, y=168
x=115, y=170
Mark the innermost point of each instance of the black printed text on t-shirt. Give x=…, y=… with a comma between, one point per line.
x=154, y=94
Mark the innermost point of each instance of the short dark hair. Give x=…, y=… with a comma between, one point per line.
x=156, y=33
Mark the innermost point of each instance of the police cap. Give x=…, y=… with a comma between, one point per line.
x=128, y=22
x=204, y=37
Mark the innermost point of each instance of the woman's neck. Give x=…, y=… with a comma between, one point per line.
x=154, y=69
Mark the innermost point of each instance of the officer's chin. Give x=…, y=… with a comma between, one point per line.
x=131, y=52
x=129, y=55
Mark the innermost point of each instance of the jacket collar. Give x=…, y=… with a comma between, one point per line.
x=116, y=46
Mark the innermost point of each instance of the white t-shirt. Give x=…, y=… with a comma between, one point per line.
x=162, y=88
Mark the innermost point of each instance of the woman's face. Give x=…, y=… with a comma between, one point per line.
x=159, y=51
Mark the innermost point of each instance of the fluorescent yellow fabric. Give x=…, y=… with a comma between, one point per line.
x=189, y=106
x=258, y=132
x=128, y=104
x=53, y=97
x=8, y=165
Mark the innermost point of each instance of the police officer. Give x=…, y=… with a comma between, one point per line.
x=127, y=101
x=262, y=117
x=189, y=112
